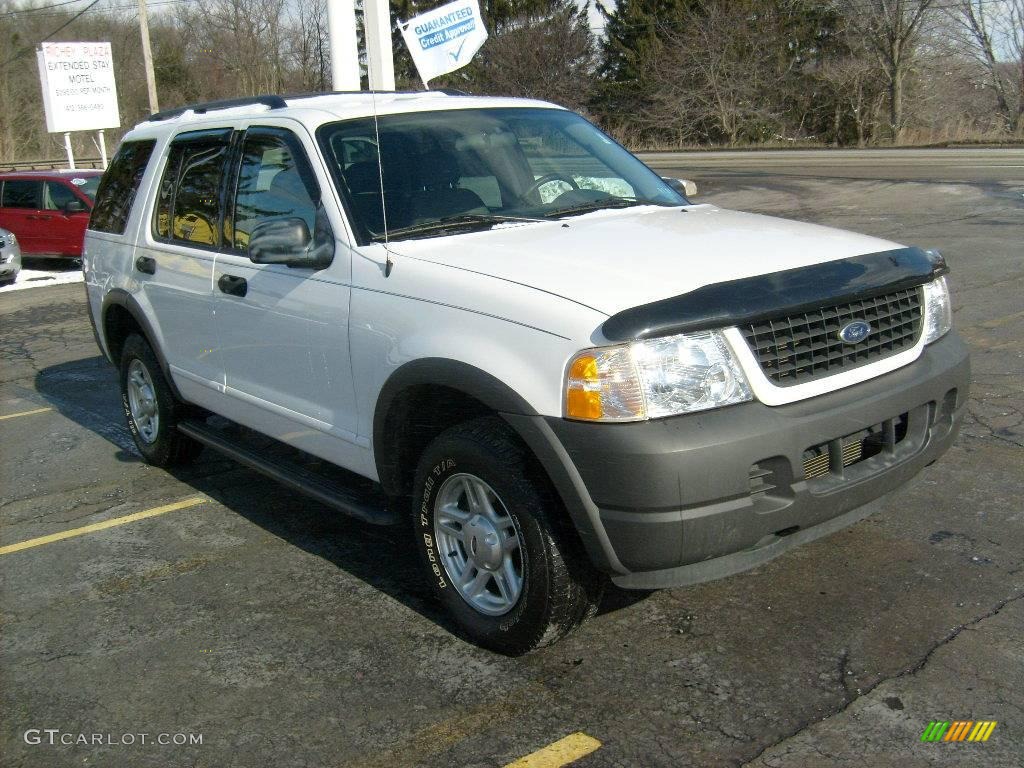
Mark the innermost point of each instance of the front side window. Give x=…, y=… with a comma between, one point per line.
x=417, y=173
x=56, y=196
x=275, y=181
x=188, y=201
x=116, y=190
x=21, y=193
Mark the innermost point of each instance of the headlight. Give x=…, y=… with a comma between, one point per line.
x=659, y=377
x=938, y=311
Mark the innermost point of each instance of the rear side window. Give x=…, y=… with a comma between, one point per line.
x=118, y=187
x=21, y=193
x=189, y=199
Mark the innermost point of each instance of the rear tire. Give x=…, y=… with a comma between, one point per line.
x=489, y=529
x=151, y=409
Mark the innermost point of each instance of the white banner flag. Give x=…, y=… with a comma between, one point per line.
x=445, y=39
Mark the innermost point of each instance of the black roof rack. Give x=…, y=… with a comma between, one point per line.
x=269, y=100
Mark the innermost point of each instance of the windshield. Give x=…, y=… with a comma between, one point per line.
x=465, y=169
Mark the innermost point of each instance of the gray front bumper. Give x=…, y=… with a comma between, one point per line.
x=674, y=501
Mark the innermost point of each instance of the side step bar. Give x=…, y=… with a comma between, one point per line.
x=371, y=508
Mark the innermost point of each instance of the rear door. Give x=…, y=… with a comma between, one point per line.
x=174, y=262
x=66, y=214
x=20, y=209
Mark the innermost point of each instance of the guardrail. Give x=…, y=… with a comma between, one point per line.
x=49, y=165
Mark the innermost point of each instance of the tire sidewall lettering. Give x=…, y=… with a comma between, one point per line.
x=426, y=518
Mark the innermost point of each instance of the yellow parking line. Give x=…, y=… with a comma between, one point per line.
x=101, y=526
x=562, y=752
x=24, y=413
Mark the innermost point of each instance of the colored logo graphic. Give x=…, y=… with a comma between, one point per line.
x=854, y=332
x=958, y=730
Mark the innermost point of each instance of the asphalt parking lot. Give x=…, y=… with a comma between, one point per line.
x=212, y=603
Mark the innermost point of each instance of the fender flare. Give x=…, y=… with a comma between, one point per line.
x=121, y=298
x=440, y=372
x=524, y=421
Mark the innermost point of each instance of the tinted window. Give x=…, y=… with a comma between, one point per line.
x=188, y=203
x=21, y=194
x=56, y=196
x=275, y=181
x=117, y=189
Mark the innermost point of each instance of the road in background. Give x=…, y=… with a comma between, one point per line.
x=288, y=636
x=974, y=166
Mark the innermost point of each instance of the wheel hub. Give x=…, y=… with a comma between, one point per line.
x=484, y=543
x=479, y=544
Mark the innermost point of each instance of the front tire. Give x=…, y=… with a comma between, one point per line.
x=495, y=544
x=151, y=409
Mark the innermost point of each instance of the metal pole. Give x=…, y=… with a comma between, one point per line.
x=147, y=58
x=103, y=148
x=71, y=154
x=380, y=59
x=341, y=29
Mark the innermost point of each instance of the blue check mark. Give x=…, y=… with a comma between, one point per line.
x=457, y=53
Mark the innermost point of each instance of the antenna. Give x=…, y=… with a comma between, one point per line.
x=389, y=264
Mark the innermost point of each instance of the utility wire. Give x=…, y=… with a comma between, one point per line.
x=30, y=48
x=22, y=11
x=101, y=9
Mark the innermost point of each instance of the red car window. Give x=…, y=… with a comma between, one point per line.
x=20, y=193
x=56, y=196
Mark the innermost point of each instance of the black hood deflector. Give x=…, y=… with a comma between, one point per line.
x=750, y=299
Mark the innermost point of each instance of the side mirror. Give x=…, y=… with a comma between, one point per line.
x=685, y=187
x=287, y=241
x=74, y=205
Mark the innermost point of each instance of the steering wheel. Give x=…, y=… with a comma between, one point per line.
x=547, y=178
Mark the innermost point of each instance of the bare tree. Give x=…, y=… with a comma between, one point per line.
x=244, y=37
x=973, y=22
x=715, y=77
x=1014, y=41
x=310, y=48
x=893, y=29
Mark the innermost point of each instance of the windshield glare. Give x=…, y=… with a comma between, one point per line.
x=476, y=163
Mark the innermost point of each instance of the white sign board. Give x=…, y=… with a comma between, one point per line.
x=79, y=93
x=445, y=39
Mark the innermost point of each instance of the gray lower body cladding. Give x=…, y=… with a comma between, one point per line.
x=686, y=499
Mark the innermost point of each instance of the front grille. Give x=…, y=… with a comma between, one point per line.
x=802, y=347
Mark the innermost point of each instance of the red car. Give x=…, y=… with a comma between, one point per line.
x=48, y=211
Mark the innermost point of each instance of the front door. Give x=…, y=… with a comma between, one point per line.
x=283, y=330
x=67, y=216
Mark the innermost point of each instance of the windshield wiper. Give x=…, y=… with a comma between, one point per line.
x=439, y=227
x=595, y=205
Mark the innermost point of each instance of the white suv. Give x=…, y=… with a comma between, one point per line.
x=548, y=361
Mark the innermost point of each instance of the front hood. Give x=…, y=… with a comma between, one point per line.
x=617, y=259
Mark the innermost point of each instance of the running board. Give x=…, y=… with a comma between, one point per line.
x=369, y=506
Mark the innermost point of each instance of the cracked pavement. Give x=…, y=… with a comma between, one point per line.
x=288, y=636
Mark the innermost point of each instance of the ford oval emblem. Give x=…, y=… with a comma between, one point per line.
x=855, y=332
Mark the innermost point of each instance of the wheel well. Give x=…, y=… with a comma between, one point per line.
x=118, y=324
x=416, y=416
